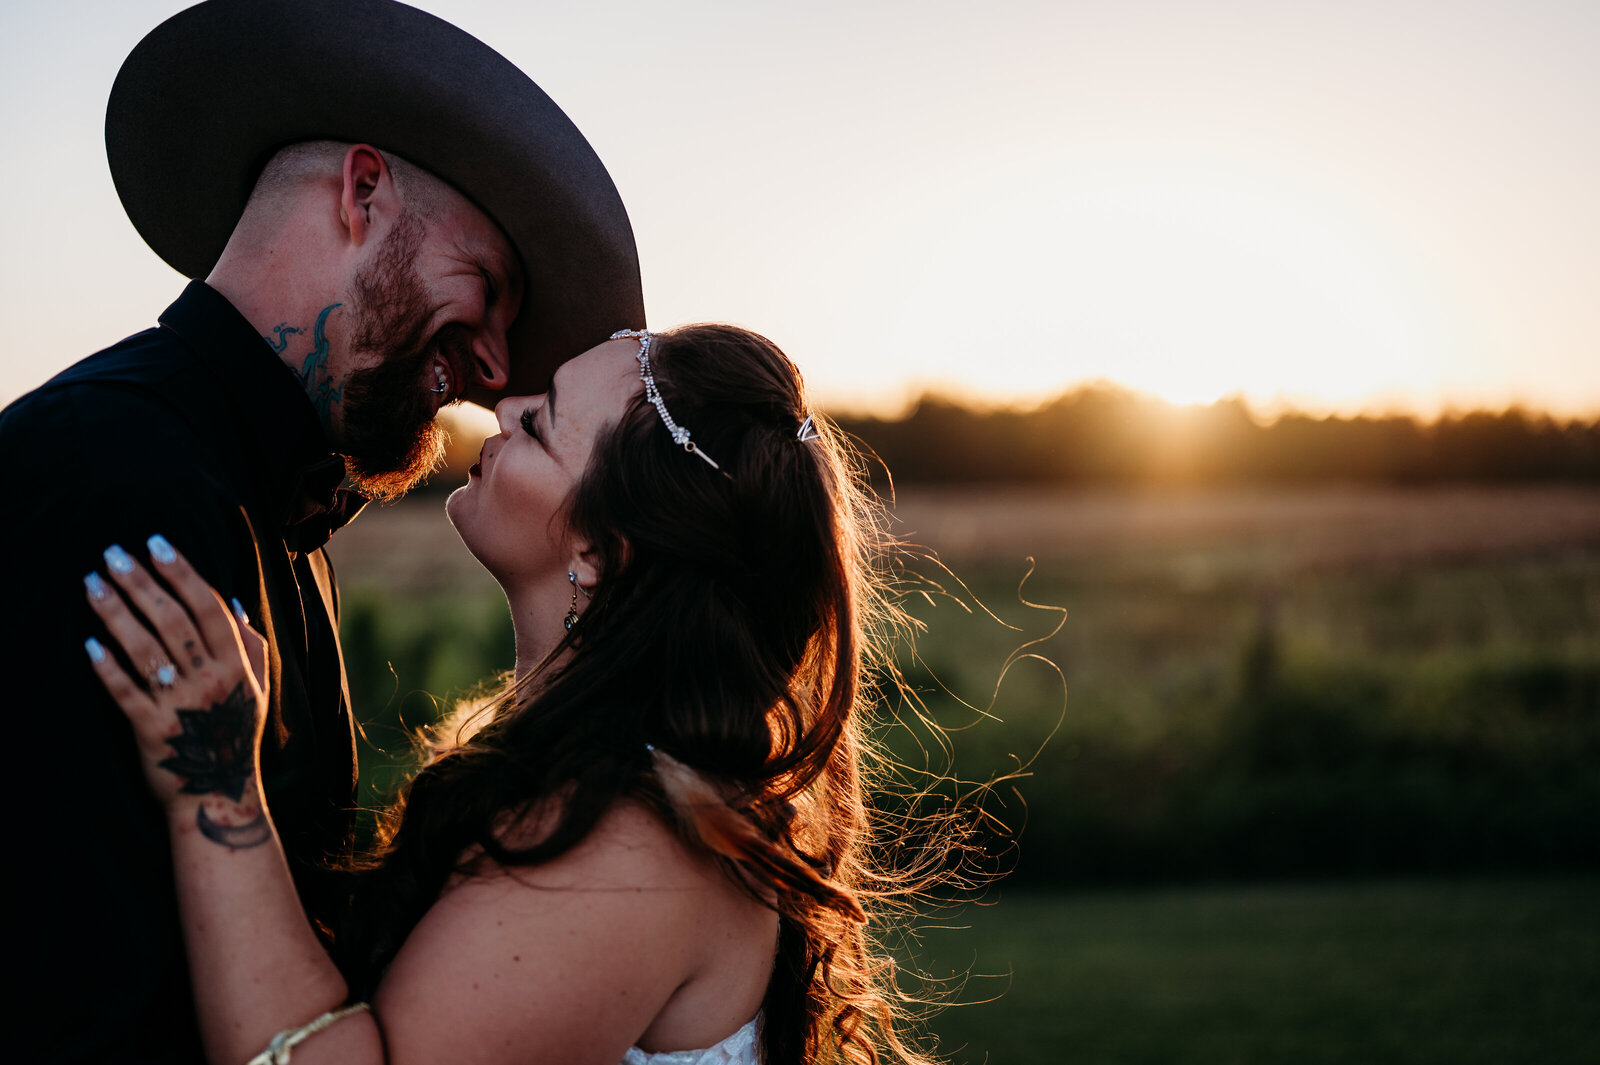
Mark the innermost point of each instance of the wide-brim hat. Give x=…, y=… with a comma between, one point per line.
x=211, y=94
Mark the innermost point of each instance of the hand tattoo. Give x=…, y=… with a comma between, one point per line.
x=216, y=749
x=215, y=754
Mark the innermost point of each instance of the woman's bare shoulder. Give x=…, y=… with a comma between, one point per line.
x=582, y=952
x=629, y=845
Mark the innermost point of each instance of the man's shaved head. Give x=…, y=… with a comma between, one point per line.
x=297, y=165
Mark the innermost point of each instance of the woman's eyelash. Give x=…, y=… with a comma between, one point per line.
x=528, y=425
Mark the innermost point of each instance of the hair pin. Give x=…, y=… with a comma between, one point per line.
x=807, y=431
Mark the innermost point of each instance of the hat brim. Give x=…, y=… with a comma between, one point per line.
x=208, y=96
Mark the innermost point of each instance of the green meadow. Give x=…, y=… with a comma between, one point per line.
x=1399, y=971
x=1298, y=777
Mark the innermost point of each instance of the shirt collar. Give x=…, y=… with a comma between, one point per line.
x=301, y=472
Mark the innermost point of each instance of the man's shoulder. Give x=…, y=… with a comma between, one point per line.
x=94, y=458
x=142, y=365
x=138, y=410
x=144, y=389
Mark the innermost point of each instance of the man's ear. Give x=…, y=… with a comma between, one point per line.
x=367, y=185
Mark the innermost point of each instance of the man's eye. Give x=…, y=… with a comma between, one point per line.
x=528, y=425
x=490, y=294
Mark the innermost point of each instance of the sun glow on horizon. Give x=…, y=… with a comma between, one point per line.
x=1179, y=280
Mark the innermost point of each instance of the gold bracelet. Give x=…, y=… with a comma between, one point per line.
x=277, y=1052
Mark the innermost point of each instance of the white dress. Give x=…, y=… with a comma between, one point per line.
x=740, y=1048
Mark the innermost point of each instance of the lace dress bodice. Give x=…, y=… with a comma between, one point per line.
x=740, y=1048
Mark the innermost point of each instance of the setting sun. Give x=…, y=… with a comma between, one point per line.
x=1185, y=283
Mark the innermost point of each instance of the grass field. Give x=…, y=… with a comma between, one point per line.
x=1449, y=972
x=1196, y=534
x=1311, y=682
x=1258, y=686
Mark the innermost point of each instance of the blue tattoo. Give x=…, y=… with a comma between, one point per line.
x=284, y=332
x=315, y=377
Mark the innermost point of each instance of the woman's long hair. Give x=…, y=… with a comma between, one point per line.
x=721, y=673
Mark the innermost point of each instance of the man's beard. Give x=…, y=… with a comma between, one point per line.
x=389, y=437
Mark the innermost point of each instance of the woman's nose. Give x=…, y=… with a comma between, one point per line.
x=508, y=412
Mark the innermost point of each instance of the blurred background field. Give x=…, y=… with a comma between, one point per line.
x=1322, y=782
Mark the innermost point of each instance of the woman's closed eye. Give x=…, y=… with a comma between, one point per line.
x=530, y=425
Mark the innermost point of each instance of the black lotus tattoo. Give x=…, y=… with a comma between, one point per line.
x=215, y=751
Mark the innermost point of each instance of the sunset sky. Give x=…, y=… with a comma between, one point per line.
x=1369, y=204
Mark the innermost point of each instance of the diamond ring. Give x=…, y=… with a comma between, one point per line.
x=162, y=674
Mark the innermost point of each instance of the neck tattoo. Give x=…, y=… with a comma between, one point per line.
x=315, y=376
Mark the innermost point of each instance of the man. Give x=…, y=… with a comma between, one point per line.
x=388, y=217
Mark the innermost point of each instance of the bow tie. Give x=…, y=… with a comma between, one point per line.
x=318, y=506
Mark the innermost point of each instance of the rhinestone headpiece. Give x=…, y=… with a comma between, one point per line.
x=680, y=435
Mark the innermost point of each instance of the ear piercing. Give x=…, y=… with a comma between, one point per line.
x=572, y=611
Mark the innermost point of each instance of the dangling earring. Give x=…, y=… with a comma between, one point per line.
x=572, y=611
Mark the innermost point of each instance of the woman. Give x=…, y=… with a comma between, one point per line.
x=656, y=839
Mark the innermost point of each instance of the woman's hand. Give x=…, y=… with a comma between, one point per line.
x=198, y=705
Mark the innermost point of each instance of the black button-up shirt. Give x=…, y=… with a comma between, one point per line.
x=198, y=431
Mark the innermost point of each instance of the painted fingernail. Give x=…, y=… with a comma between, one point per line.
x=97, y=586
x=160, y=550
x=118, y=559
x=238, y=611
x=97, y=652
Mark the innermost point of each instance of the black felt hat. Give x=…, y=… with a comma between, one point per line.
x=208, y=96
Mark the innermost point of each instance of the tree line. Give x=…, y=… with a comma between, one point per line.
x=1101, y=434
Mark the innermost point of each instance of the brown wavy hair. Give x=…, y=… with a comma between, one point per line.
x=722, y=673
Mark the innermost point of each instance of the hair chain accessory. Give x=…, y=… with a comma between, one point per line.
x=680, y=435
x=807, y=431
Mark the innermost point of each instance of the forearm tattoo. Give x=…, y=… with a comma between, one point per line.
x=214, y=753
